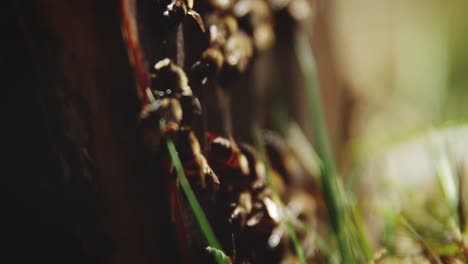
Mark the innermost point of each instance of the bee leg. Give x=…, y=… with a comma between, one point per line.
x=238, y=216
x=197, y=18
x=213, y=179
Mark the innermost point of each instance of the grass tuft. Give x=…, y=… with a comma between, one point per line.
x=345, y=230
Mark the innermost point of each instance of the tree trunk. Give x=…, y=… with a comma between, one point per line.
x=85, y=194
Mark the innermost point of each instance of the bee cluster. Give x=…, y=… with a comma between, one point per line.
x=228, y=177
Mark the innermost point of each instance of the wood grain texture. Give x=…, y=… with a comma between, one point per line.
x=83, y=81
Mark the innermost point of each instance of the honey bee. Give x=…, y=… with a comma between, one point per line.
x=227, y=63
x=230, y=50
x=244, y=198
x=250, y=210
x=168, y=79
x=210, y=64
x=284, y=162
x=167, y=109
x=174, y=100
x=193, y=161
x=265, y=214
x=255, y=214
x=220, y=28
x=225, y=152
x=174, y=11
x=238, y=52
x=175, y=103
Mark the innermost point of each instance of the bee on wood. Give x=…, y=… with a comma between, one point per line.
x=283, y=161
x=238, y=52
x=193, y=161
x=209, y=65
x=245, y=201
x=224, y=151
x=227, y=63
x=255, y=214
x=174, y=11
x=241, y=166
x=233, y=39
x=168, y=79
x=175, y=103
x=174, y=100
x=220, y=28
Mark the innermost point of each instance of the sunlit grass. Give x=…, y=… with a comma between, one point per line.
x=349, y=239
x=364, y=147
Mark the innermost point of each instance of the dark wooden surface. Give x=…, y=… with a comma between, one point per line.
x=81, y=195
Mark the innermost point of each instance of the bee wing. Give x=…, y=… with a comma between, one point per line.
x=197, y=18
x=273, y=209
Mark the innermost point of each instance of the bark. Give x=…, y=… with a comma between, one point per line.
x=94, y=201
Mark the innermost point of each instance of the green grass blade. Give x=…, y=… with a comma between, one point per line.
x=192, y=199
x=218, y=254
x=430, y=254
x=328, y=179
x=360, y=232
x=303, y=150
x=334, y=199
x=462, y=218
x=289, y=228
x=295, y=242
x=150, y=95
x=262, y=149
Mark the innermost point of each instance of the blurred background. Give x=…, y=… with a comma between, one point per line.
x=405, y=64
